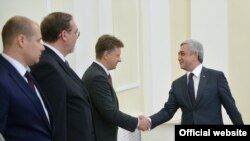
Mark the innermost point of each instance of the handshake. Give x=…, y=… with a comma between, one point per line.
x=144, y=123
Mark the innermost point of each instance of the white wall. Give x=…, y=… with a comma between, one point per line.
x=12, y=8
x=156, y=43
x=157, y=64
x=94, y=18
x=210, y=27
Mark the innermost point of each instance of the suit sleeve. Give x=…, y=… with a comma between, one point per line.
x=228, y=100
x=167, y=112
x=101, y=96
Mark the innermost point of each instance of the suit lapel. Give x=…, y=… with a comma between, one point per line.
x=202, y=84
x=71, y=74
x=66, y=68
x=23, y=85
x=46, y=104
x=113, y=94
x=185, y=90
x=32, y=96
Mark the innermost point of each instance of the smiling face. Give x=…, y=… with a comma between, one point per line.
x=188, y=60
x=108, y=51
x=112, y=58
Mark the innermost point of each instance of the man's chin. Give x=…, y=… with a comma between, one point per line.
x=33, y=63
x=112, y=68
x=181, y=66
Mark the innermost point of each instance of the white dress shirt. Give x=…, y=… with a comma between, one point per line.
x=196, y=78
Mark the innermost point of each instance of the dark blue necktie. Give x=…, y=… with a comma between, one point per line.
x=32, y=86
x=30, y=80
x=191, y=88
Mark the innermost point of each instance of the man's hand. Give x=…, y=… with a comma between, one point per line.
x=144, y=124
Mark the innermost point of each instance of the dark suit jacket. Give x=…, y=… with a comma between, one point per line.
x=106, y=112
x=22, y=117
x=213, y=93
x=68, y=97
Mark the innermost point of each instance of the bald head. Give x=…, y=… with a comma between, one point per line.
x=22, y=40
x=15, y=26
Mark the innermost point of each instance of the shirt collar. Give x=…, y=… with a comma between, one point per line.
x=17, y=65
x=100, y=64
x=56, y=51
x=196, y=71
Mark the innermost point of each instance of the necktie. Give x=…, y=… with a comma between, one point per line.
x=32, y=86
x=191, y=88
x=30, y=80
x=110, y=79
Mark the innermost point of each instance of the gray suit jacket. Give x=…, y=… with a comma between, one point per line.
x=213, y=93
x=106, y=112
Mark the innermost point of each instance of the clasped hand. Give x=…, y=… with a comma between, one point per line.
x=144, y=124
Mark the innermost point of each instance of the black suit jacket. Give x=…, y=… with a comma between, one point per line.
x=213, y=93
x=22, y=117
x=68, y=97
x=106, y=112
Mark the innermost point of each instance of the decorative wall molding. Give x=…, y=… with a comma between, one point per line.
x=127, y=87
x=135, y=68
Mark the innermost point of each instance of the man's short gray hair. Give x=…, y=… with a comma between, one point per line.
x=195, y=46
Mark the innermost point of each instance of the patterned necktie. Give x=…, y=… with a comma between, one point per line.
x=191, y=88
x=30, y=80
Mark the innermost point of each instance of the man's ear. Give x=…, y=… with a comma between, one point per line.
x=21, y=39
x=63, y=35
x=106, y=54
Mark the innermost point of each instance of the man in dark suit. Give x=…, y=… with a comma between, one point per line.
x=106, y=113
x=64, y=90
x=202, y=101
x=25, y=114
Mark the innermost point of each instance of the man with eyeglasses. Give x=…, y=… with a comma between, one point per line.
x=64, y=90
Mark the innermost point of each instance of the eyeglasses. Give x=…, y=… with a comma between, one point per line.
x=77, y=33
